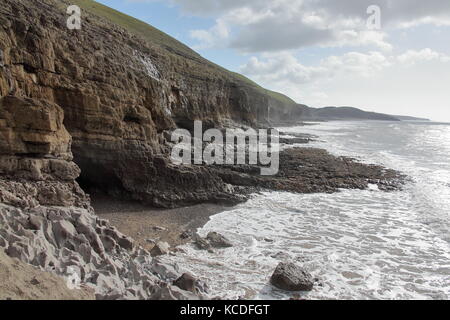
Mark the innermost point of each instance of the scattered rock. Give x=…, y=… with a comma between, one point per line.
x=165, y=271
x=186, y=282
x=288, y=276
x=200, y=242
x=179, y=250
x=186, y=234
x=62, y=241
x=158, y=228
x=63, y=230
x=160, y=248
x=189, y=283
x=218, y=241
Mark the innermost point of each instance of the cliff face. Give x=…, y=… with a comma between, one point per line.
x=118, y=94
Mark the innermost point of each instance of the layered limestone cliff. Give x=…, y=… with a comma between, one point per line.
x=119, y=93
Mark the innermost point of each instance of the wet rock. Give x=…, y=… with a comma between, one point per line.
x=218, y=241
x=179, y=250
x=160, y=248
x=186, y=282
x=290, y=277
x=186, y=234
x=291, y=141
x=200, y=242
x=310, y=170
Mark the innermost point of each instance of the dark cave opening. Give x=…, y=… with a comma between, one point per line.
x=99, y=179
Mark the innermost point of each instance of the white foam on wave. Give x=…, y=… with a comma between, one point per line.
x=360, y=246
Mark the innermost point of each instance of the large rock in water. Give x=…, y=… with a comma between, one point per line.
x=290, y=277
x=200, y=242
x=218, y=241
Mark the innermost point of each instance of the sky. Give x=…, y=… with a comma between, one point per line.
x=389, y=56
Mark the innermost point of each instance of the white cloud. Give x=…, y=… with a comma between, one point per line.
x=408, y=79
x=284, y=67
x=411, y=57
x=213, y=37
x=273, y=25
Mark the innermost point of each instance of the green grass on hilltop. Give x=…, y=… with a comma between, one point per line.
x=135, y=26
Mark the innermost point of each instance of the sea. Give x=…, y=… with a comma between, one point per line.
x=358, y=244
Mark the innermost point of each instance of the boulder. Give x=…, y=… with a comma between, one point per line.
x=63, y=230
x=186, y=234
x=218, y=241
x=186, y=282
x=165, y=271
x=290, y=277
x=160, y=248
x=200, y=242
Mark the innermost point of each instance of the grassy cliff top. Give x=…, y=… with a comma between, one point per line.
x=166, y=42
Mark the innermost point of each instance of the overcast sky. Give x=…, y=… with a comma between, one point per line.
x=321, y=52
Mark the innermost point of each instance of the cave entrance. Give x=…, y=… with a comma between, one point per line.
x=99, y=179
